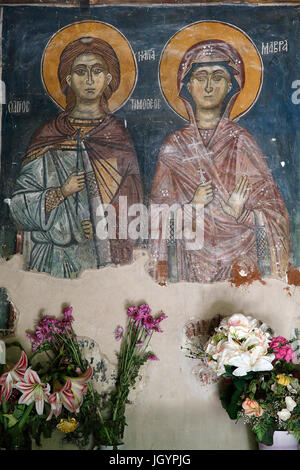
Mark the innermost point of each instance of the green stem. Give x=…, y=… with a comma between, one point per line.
x=100, y=415
x=25, y=416
x=5, y=406
x=124, y=372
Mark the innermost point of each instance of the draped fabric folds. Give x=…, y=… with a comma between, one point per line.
x=57, y=243
x=191, y=155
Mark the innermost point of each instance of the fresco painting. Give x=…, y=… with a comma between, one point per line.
x=215, y=162
x=76, y=163
x=114, y=108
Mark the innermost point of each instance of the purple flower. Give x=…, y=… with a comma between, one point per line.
x=157, y=321
x=144, y=309
x=135, y=314
x=48, y=327
x=157, y=329
x=67, y=314
x=119, y=333
x=152, y=357
x=131, y=311
x=149, y=322
x=162, y=317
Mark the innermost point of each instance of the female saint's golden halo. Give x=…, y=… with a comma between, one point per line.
x=100, y=30
x=201, y=31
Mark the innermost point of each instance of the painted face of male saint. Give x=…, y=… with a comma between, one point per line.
x=209, y=85
x=89, y=77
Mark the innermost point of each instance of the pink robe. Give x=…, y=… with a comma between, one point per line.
x=228, y=154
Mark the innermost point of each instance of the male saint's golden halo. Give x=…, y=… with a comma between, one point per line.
x=100, y=30
x=201, y=31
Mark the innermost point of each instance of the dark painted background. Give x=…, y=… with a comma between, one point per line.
x=273, y=119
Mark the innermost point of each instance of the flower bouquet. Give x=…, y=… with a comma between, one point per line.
x=37, y=397
x=259, y=375
x=135, y=340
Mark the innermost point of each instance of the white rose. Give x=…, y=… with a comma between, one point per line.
x=284, y=414
x=290, y=403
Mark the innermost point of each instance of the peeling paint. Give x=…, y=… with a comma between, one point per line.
x=241, y=277
x=293, y=276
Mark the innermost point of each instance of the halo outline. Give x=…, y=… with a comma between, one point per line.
x=238, y=115
x=134, y=62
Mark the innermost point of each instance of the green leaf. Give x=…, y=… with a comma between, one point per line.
x=252, y=387
x=19, y=411
x=230, y=397
x=11, y=420
x=264, y=432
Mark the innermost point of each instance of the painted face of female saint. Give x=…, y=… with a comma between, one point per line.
x=89, y=77
x=209, y=86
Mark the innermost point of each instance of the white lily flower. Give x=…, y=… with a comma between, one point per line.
x=245, y=363
x=33, y=390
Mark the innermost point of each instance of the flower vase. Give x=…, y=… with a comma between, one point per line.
x=282, y=440
x=119, y=447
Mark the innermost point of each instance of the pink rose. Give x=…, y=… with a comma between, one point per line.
x=252, y=408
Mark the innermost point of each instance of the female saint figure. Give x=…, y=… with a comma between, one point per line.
x=75, y=166
x=216, y=163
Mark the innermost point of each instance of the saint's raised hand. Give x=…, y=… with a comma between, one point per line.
x=235, y=204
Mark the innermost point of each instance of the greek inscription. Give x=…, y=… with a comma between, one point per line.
x=18, y=106
x=145, y=104
x=274, y=47
x=146, y=55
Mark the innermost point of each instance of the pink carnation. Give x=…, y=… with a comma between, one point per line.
x=282, y=349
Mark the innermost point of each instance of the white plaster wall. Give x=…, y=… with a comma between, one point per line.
x=171, y=410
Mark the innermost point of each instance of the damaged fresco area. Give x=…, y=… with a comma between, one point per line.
x=196, y=333
x=104, y=372
x=181, y=140
x=9, y=314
